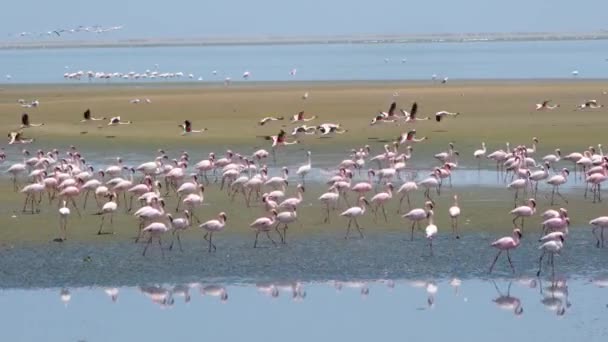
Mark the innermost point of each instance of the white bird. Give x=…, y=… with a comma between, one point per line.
x=454, y=213
x=64, y=212
x=430, y=230
x=552, y=243
x=117, y=121
x=305, y=169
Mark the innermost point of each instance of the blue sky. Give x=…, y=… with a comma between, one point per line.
x=196, y=18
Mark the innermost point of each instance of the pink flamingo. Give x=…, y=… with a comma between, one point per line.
x=556, y=181
x=454, y=213
x=138, y=190
x=31, y=191
x=264, y=224
x=195, y=200
x=551, y=243
x=330, y=199
x=156, y=230
x=596, y=180
x=506, y=243
x=69, y=193
x=599, y=223
x=214, y=226
x=405, y=190
x=186, y=189
x=205, y=166
x=109, y=208
x=292, y=202
x=380, y=199
x=352, y=214
x=524, y=211
x=363, y=188
x=417, y=215
x=179, y=225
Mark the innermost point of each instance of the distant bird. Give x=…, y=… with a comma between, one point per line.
x=25, y=122
x=87, y=117
x=546, y=106
x=187, y=128
x=444, y=81
x=64, y=212
x=506, y=244
x=214, y=226
x=246, y=74
x=305, y=96
x=330, y=128
x=117, y=121
x=269, y=118
x=589, y=104
x=441, y=114
x=454, y=212
x=293, y=72
x=599, y=223
x=352, y=214
x=304, y=129
x=478, y=154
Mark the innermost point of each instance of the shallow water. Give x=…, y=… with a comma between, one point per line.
x=428, y=309
x=319, y=62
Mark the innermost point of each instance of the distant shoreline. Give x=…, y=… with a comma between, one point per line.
x=276, y=40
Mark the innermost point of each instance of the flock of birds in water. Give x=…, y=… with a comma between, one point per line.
x=67, y=178
x=555, y=297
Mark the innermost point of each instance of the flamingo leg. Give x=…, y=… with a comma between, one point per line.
x=172, y=240
x=160, y=244
x=270, y=238
x=384, y=213
x=494, y=262
x=25, y=203
x=594, y=231
x=540, y=264
x=255, y=244
x=285, y=234
x=510, y=262
x=276, y=228
x=147, y=245
x=359, y=228
x=75, y=206
x=560, y=195
x=348, y=229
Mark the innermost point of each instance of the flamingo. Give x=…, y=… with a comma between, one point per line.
x=187, y=128
x=293, y=202
x=596, y=180
x=18, y=138
x=556, y=181
x=524, y=211
x=380, y=199
x=194, y=200
x=267, y=119
x=405, y=190
x=417, y=215
x=303, y=129
x=16, y=170
x=116, y=120
x=552, y=243
x=432, y=182
x=478, y=154
x=156, y=230
x=363, y=188
x=589, y=104
x=441, y=114
x=454, y=213
x=599, y=223
x=64, y=212
x=300, y=117
x=70, y=192
x=331, y=128
x=506, y=243
x=330, y=199
x=285, y=218
x=264, y=224
x=531, y=151
x=409, y=137
x=25, y=122
x=31, y=191
x=431, y=229
x=305, y=169
x=546, y=106
x=87, y=117
x=109, y=208
x=214, y=226
x=179, y=225
x=352, y=214
x=149, y=213
x=519, y=184
x=540, y=175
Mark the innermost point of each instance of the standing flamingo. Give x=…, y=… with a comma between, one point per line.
x=380, y=199
x=552, y=243
x=155, y=230
x=506, y=244
x=179, y=225
x=431, y=229
x=556, y=181
x=524, y=211
x=478, y=154
x=214, y=226
x=264, y=224
x=352, y=214
x=109, y=208
x=599, y=223
x=417, y=215
x=330, y=199
x=454, y=212
x=405, y=190
x=64, y=212
x=304, y=169
x=195, y=200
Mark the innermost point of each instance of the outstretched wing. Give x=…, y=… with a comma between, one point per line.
x=414, y=110
x=187, y=125
x=25, y=119
x=545, y=103
x=438, y=117
x=391, y=110
x=87, y=114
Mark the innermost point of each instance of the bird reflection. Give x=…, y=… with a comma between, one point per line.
x=600, y=282
x=112, y=292
x=158, y=295
x=181, y=291
x=431, y=289
x=215, y=291
x=555, y=297
x=268, y=289
x=65, y=296
x=338, y=285
x=455, y=283
x=508, y=302
x=295, y=289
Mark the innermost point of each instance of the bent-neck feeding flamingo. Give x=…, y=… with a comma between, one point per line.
x=506, y=244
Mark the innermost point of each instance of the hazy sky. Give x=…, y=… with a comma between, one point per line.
x=195, y=18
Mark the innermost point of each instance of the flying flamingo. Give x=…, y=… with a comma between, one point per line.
x=18, y=138
x=506, y=244
x=556, y=181
x=409, y=137
x=331, y=128
x=87, y=117
x=116, y=120
x=380, y=199
x=25, y=122
x=417, y=215
x=546, y=106
x=278, y=141
x=264, y=224
x=454, y=213
x=187, y=128
x=214, y=226
x=352, y=214
x=267, y=119
x=589, y=104
x=442, y=114
x=524, y=211
x=300, y=117
x=305, y=169
x=109, y=208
